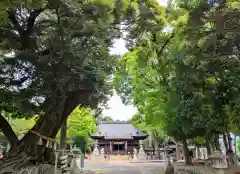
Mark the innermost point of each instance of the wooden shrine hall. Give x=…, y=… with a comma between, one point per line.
x=118, y=137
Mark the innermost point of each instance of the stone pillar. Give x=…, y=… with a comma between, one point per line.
x=102, y=153
x=201, y=155
x=177, y=152
x=95, y=154
x=126, y=147
x=151, y=155
x=196, y=153
x=110, y=147
x=134, y=154
x=205, y=153
x=169, y=169
x=141, y=153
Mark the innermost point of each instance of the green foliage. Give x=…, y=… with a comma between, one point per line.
x=79, y=125
x=238, y=146
x=55, y=53
x=200, y=140
x=82, y=143
x=21, y=126
x=105, y=118
x=185, y=81
x=62, y=50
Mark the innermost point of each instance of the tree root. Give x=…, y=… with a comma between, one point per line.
x=14, y=163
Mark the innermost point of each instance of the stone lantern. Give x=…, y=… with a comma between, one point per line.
x=218, y=161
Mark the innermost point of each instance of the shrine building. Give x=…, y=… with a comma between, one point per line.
x=118, y=137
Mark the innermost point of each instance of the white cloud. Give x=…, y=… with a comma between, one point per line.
x=117, y=110
x=163, y=2
x=119, y=47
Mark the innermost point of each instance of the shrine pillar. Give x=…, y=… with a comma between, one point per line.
x=110, y=147
x=126, y=147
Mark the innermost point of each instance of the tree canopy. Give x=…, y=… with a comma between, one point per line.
x=55, y=56
x=185, y=78
x=181, y=70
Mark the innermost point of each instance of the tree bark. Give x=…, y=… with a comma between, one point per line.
x=8, y=131
x=63, y=135
x=225, y=141
x=235, y=144
x=47, y=125
x=150, y=140
x=177, y=151
x=187, y=156
x=229, y=138
x=157, y=151
x=216, y=143
x=209, y=148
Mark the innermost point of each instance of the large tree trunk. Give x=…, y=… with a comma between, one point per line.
x=235, y=144
x=216, y=143
x=150, y=139
x=225, y=141
x=209, y=148
x=188, y=158
x=63, y=135
x=157, y=150
x=8, y=132
x=178, y=157
x=47, y=125
x=229, y=138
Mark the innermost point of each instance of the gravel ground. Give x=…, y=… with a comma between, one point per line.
x=125, y=168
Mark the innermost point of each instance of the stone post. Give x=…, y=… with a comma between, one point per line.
x=196, y=153
x=205, y=153
x=64, y=163
x=134, y=154
x=218, y=162
x=169, y=169
x=102, y=153
x=177, y=152
x=201, y=155
x=95, y=154
x=141, y=153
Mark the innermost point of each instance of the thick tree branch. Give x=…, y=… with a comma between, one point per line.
x=31, y=20
x=159, y=53
x=8, y=131
x=14, y=21
x=24, y=33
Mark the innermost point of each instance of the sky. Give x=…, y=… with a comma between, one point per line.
x=116, y=109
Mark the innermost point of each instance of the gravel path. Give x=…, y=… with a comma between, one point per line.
x=125, y=168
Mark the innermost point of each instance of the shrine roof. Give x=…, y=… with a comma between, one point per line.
x=117, y=130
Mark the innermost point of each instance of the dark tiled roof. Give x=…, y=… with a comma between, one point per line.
x=117, y=130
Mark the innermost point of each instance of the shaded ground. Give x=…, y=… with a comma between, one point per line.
x=124, y=167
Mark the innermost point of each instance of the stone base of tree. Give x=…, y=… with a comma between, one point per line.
x=199, y=169
x=47, y=169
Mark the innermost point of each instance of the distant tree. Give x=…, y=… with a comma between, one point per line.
x=105, y=118
x=80, y=123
